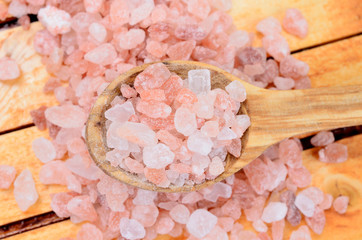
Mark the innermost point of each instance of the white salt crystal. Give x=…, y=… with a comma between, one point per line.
x=131, y=229
x=55, y=20
x=103, y=54
x=185, y=121
x=157, y=156
x=199, y=81
x=200, y=223
x=199, y=143
x=138, y=133
x=24, y=190
x=305, y=205
x=274, y=211
x=236, y=91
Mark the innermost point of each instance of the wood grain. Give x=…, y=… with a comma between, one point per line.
x=328, y=20
x=336, y=179
x=21, y=95
x=15, y=150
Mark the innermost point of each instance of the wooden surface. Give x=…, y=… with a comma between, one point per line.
x=332, y=62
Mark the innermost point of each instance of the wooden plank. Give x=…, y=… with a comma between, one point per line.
x=343, y=178
x=327, y=19
x=15, y=150
x=20, y=96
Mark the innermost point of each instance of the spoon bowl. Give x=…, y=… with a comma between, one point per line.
x=274, y=115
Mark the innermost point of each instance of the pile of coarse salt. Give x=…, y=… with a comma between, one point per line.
x=197, y=126
x=86, y=44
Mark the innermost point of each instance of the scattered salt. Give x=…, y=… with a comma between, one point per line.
x=24, y=190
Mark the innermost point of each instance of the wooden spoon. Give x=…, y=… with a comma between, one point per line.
x=274, y=115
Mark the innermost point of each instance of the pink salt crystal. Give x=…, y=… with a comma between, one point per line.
x=192, y=197
x=270, y=73
x=293, y=214
x=24, y=21
x=254, y=69
x=145, y=214
x=225, y=223
x=258, y=175
x=199, y=143
x=303, y=83
x=98, y=31
x=231, y=209
x=276, y=46
x=104, y=54
x=127, y=91
x=333, y=153
x=39, y=118
x=317, y=222
x=120, y=113
x=314, y=193
x=77, y=165
x=260, y=226
x=268, y=26
x=305, y=205
x=210, y=128
x=44, y=149
x=284, y=83
x=89, y=231
x=142, y=11
x=204, y=107
x=201, y=53
x=293, y=68
x=278, y=229
x=327, y=201
x=137, y=133
x=156, y=176
x=301, y=177
x=254, y=213
x=9, y=69
x=200, y=223
x=154, y=76
x=219, y=189
x=171, y=87
x=216, y=166
x=157, y=49
x=131, y=39
x=185, y=121
x=274, y=211
x=154, y=109
x=54, y=172
x=133, y=165
x=322, y=138
x=66, y=116
x=190, y=31
x=17, y=8
x=180, y=213
x=24, y=190
x=144, y=197
x=82, y=207
x=59, y=203
x=92, y=6
x=153, y=94
x=164, y=225
x=169, y=139
x=290, y=153
x=340, y=204
x=55, y=20
x=239, y=39
x=302, y=233
x=295, y=23
x=157, y=156
x=236, y=91
x=241, y=123
x=119, y=12
x=131, y=229
x=217, y=233
x=235, y=147
x=7, y=176
x=181, y=50
x=186, y=96
x=159, y=31
x=226, y=134
x=199, y=8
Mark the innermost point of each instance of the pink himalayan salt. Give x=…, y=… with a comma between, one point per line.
x=200, y=223
x=199, y=143
x=45, y=42
x=164, y=225
x=169, y=139
x=66, y=116
x=274, y=211
x=24, y=190
x=24, y=21
x=131, y=229
x=270, y=73
x=301, y=177
x=98, y=32
x=171, y=87
x=251, y=56
x=216, y=166
x=7, y=176
x=236, y=91
x=254, y=213
x=314, y=193
x=154, y=109
x=180, y=213
x=185, y=121
x=127, y=91
x=190, y=31
x=141, y=12
x=145, y=214
x=199, y=81
x=154, y=76
x=293, y=215
x=305, y=204
x=153, y=95
x=217, y=233
x=38, y=117
x=137, y=133
x=234, y=148
x=59, y=203
x=131, y=39
x=199, y=8
x=133, y=165
x=322, y=139
x=333, y=153
x=156, y=176
x=104, y=54
x=239, y=39
x=219, y=189
x=327, y=201
x=186, y=96
x=181, y=50
x=276, y=46
x=89, y=231
x=204, y=107
x=303, y=83
x=225, y=223
x=302, y=233
x=157, y=156
x=120, y=112
x=269, y=26
x=260, y=226
x=82, y=207
x=291, y=67
x=317, y=221
x=340, y=204
x=44, y=149
x=119, y=12
x=210, y=128
x=201, y=53
x=93, y=6
x=157, y=49
x=295, y=23
x=290, y=153
x=278, y=229
x=55, y=20
x=17, y=8
x=9, y=69
x=284, y=83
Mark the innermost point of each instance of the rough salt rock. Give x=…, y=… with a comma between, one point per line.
x=216, y=166
x=185, y=121
x=24, y=190
x=131, y=39
x=82, y=207
x=322, y=139
x=59, y=203
x=145, y=214
x=92, y=6
x=301, y=177
x=137, y=133
x=181, y=50
x=7, y=176
x=89, y=231
x=66, y=116
x=333, y=153
x=226, y=134
x=44, y=149
x=219, y=189
x=274, y=211
x=164, y=225
x=291, y=67
x=9, y=69
x=158, y=156
x=268, y=26
x=199, y=143
x=210, y=128
x=154, y=109
x=317, y=221
x=314, y=193
x=327, y=201
x=260, y=226
x=127, y=91
x=120, y=113
x=98, y=32
x=131, y=229
x=295, y=23
x=305, y=205
x=290, y=153
x=239, y=39
x=200, y=223
x=284, y=83
x=293, y=215
x=104, y=54
x=236, y=91
x=141, y=12
x=302, y=233
x=154, y=76
x=55, y=20
x=199, y=81
x=199, y=8
x=340, y=204
x=276, y=46
x=180, y=213
x=17, y=8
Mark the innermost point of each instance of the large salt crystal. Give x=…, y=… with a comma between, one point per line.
x=164, y=225
x=145, y=214
x=291, y=67
x=131, y=39
x=114, y=140
x=142, y=11
x=327, y=201
x=322, y=139
x=185, y=121
x=268, y=26
x=17, y=8
x=278, y=230
x=98, y=32
x=7, y=176
x=301, y=177
x=204, y=107
x=9, y=69
x=76, y=165
x=154, y=109
x=24, y=190
x=216, y=166
x=200, y=223
x=199, y=143
x=241, y=123
x=239, y=39
x=302, y=233
x=276, y=46
x=154, y=76
x=236, y=90
x=44, y=149
x=180, y=213
x=274, y=211
x=284, y=83
x=293, y=215
x=333, y=153
x=137, y=133
x=340, y=204
x=89, y=231
x=258, y=175
x=305, y=205
x=219, y=189
x=55, y=20
x=120, y=113
x=59, y=203
x=226, y=134
x=199, y=81
x=92, y=6
x=119, y=12
x=82, y=207
x=317, y=221
x=144, y=197
x=295, y=23
x=157, y=156
x=103, y=55
x=210, y=128
x=260, y=226
x=290, y=153
x=181, y=50
x=66, y=116
x=314, y=193
x=199, y=8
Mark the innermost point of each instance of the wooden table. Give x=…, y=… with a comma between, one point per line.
x=333, y=49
